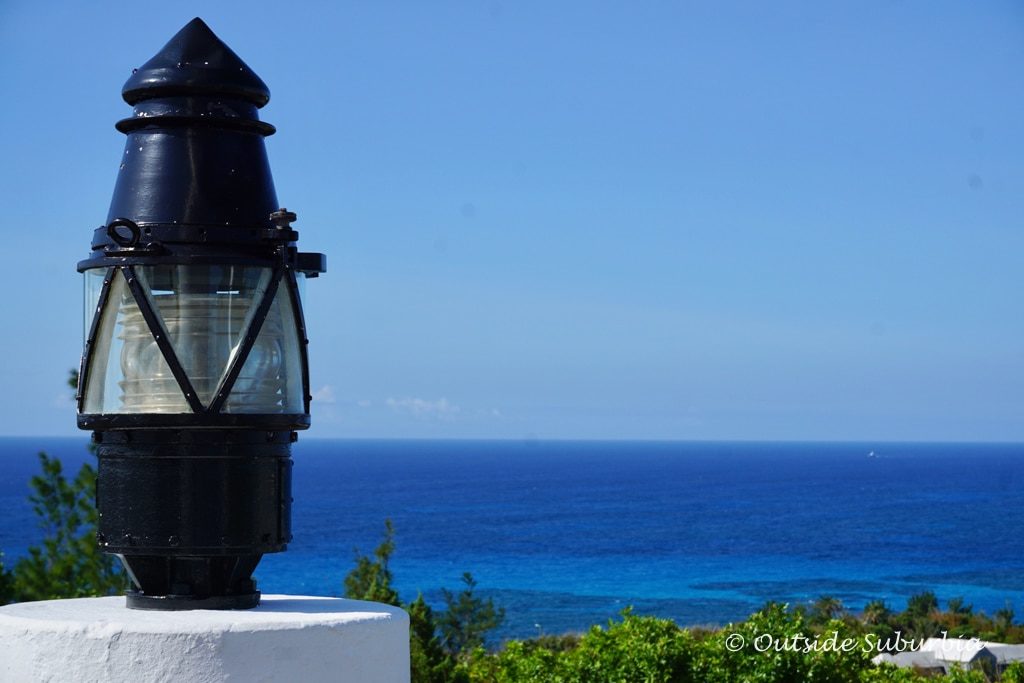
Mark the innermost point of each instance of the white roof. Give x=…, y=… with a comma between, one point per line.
x=935, y=652
x=1006, y=653
x=954, y=649
x=918, y=658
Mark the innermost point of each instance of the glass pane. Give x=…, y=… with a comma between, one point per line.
x=271, y=378
x=102, y=352
x=204, y=311
x=125, y=353
x=93, y=285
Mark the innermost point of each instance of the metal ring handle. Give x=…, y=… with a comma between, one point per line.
x=119, y=238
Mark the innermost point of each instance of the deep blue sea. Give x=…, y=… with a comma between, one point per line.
x=566, y=534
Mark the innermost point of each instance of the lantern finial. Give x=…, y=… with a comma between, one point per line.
x=195, y=62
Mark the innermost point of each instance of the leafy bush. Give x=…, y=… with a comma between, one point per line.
x=634, y=649
x=468, y=619
x=371, y=578
x=641, y=649
x=436, y=642
x=69, y=563
x=775, y=646
x=1014, y=673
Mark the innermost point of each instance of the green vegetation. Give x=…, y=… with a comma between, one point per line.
x=820, y=644
x=438, y=644
x=634, y=649
x=69, y=563
x=467, y=620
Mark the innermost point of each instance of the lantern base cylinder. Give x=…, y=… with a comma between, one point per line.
x=191, y=512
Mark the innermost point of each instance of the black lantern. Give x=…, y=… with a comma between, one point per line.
x=194, y=376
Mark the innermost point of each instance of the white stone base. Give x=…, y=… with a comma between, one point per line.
x=286, y=638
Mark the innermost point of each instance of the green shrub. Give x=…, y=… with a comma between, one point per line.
x=640, y=649
x=1014, y=673
x=69, y=563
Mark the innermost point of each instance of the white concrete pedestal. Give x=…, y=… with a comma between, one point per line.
x=286, y=638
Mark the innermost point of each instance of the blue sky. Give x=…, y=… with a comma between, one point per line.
x=666, y=220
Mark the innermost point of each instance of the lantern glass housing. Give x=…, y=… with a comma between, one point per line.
x=203, y=314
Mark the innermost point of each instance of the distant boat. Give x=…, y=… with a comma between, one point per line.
x=872, y=455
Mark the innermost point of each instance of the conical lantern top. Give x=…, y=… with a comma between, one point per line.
x=195, y=62
x=195, y=154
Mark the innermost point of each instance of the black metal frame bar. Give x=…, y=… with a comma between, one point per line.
x=264, y=422
x=311, y=264
x=192, y=234
x=161, y=243
x=145, y=256
x=234, y=123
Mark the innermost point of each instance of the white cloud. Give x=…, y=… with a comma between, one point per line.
x=363, y=403
x=325, y=394
x=440, y=409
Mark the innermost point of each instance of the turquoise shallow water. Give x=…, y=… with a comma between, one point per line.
x=566, y=534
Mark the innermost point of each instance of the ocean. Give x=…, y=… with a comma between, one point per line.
x=565, y=534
